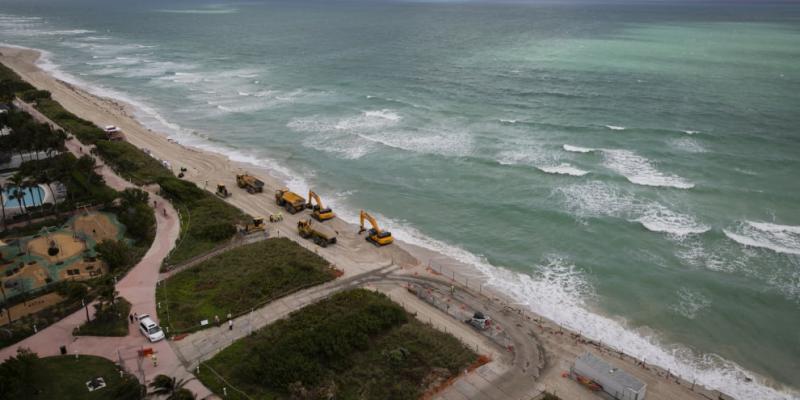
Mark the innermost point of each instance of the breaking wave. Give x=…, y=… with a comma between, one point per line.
x=641, y=171
x=577, y=149
x=778, y=238
x=563, y=169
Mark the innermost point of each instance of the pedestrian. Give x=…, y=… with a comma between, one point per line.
x=216, y=319
x=155, y=360
x=155, y=204
x=230, y=324
x=135, y=317
x=130, y=316
x=165, y=212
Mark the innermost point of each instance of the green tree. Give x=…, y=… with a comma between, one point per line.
x=117, y=254
x=171, y=387
x=16, y=373
x=129, y=389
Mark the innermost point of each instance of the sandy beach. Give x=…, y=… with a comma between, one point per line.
x=352, y=254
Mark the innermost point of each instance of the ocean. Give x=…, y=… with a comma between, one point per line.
x=627, y=169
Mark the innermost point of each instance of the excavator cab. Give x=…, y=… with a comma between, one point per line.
x=319, y=211
x=375, y=235
x=222, y=191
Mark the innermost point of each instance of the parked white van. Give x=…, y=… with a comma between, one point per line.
x=150, y=329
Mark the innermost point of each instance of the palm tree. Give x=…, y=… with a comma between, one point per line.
x=171, y=387
x=3, y=204
x=17, y=182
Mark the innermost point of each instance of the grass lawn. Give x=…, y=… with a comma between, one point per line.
x=238, y=280
x=358, y=344
x=112, y=325
x=64, y=378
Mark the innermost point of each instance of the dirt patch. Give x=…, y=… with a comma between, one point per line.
x=33, y=306
x=68, y=246
x=82, y=270
x=96, y=226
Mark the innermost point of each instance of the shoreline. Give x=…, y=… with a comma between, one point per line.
x=210, y=167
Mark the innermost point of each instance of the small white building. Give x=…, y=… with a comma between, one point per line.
x=614, y=381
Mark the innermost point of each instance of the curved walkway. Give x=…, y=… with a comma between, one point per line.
x=138, y=287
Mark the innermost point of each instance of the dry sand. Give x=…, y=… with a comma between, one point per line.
x=352, y=254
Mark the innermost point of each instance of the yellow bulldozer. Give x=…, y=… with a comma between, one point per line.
x=375, y=235
x=318, y=233
x=250, y=183
x=222, y=191
x=257, y=225
x=291, y=201
x=318, y=211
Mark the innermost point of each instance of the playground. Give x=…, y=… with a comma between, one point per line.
x=57, y=253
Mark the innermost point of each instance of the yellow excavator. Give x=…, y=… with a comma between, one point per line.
x=319, y=211
x=375, y=235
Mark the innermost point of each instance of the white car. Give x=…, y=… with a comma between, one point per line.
x=150, y=329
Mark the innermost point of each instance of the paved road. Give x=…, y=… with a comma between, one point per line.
x=138, y=287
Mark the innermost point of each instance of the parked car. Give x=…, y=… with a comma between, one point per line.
x=150, y=328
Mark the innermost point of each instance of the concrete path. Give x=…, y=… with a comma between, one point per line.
x=138, y=287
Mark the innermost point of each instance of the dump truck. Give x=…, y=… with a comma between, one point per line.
x=291, y=201
x=257, y=225
x=316, y=232
x=318, y=211
x=250, y=183
x=375, y=235
x=222, y=191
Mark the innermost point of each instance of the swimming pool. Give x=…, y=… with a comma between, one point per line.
x=32, y=196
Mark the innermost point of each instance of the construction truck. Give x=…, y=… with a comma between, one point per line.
x=316, y=232
x=318, y=211
x=222, y=191
x=291, y=201
x=375, y=235
x=257, y=225
x=250, y=183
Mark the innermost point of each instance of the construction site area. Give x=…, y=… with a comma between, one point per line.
x=57, y=253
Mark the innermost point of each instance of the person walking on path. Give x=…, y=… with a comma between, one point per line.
x=135, y=317
x=130, y=316
x=216, y=319
x=230, y=324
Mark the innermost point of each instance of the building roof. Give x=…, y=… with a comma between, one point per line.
x=618, y=375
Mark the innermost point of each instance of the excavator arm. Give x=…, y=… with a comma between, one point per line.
x=372, y=221
x=313, y=196
x=375, y=235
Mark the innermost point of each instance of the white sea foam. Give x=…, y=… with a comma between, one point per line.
x=563, y=169
x=615, y=127
x=508, y=121
x=688, y=145
x=577, y=149
x=778, y=238
x=641, y=171
x=690, y=132
x=557, y=290
x=690, y=303
x=658, y=218
x=596, y=198
x=209, y=11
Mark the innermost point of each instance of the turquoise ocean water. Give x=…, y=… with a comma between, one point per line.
x=628, y=169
